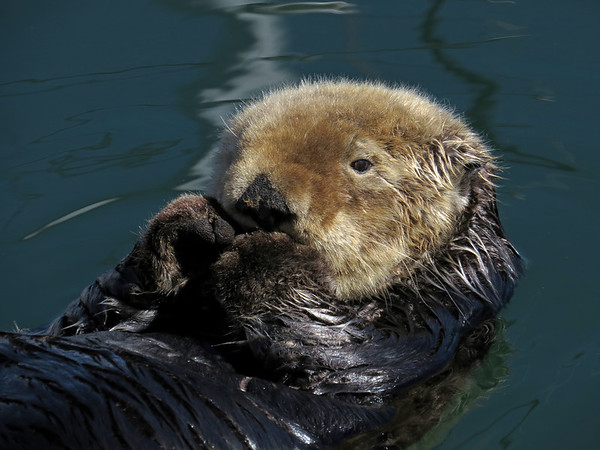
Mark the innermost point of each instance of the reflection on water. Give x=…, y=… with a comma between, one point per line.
x=299, y=8
x=241, y=71
x=509, y=421
x=484, y=87
x=489, y=376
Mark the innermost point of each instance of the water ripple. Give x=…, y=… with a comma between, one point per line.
x=71, y=215
x=38, y=85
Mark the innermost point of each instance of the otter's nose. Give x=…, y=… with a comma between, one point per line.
x=264, y=204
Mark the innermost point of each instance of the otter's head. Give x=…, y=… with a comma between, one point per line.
x=377, y=179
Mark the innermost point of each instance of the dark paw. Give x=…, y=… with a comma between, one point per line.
x=167, y=271
x=260, y=270
x=182, y=241
x=190, y=215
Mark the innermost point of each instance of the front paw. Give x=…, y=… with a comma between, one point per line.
x=181, y=243
x=261, y=273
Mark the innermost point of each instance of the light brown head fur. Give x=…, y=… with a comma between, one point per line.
x=374, y=226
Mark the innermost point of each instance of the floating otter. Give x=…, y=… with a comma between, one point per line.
x=351, y=249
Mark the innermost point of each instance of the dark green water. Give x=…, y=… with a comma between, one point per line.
x=110, y=108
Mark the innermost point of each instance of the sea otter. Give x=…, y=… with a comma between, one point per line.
x=350, y=248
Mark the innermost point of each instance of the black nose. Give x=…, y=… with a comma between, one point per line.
x=264, y=204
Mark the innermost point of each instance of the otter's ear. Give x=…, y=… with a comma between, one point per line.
x=472, y=162
x=469, y=175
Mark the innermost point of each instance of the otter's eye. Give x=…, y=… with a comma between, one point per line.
x=361, y=165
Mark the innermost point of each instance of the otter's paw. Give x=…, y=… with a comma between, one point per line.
x=176, y=251
x=181, y=243
x=261, y=271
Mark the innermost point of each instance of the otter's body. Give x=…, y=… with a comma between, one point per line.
x=351, y=247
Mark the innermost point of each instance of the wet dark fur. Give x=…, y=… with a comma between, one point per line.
x=123, y=390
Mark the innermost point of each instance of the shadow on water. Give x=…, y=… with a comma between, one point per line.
x=486, y=90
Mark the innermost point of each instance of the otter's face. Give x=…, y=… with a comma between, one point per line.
x=373, y=178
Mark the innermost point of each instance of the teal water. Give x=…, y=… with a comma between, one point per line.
x=108, y=109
